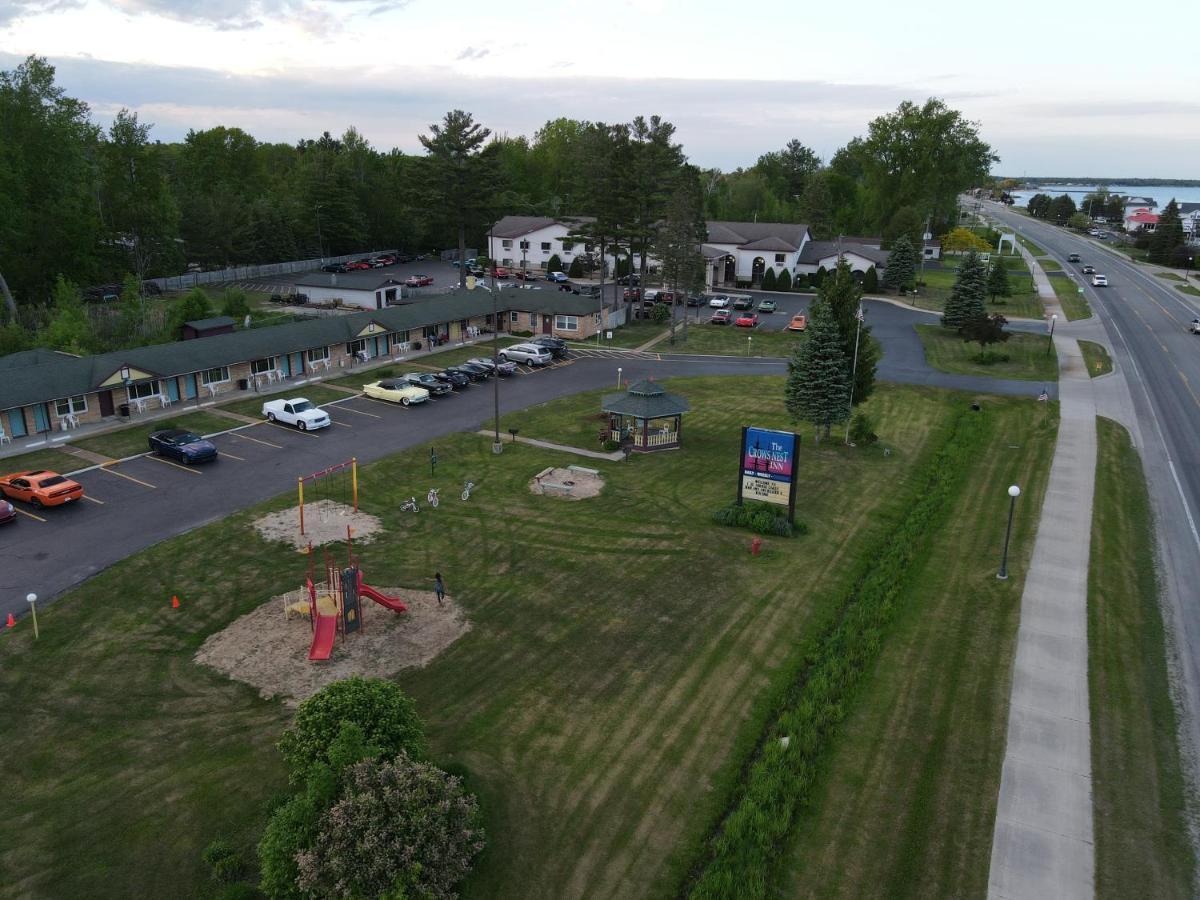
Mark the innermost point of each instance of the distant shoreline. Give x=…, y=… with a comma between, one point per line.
x=1132, y=182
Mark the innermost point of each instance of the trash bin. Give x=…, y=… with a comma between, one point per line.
x=243, y=384
x=124, y=410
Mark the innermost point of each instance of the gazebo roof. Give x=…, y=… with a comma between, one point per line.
x=645, y=400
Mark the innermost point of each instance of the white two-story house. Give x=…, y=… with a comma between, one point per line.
x=532, y=241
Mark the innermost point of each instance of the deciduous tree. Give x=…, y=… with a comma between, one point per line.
x=984, y=330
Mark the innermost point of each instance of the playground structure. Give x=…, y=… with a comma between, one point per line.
x=334, y=604
x=337, y=482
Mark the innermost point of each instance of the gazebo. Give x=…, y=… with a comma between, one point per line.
x=645, y=415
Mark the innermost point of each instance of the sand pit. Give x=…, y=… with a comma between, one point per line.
x=571, y=483
x=270, y=653
x=324, y=523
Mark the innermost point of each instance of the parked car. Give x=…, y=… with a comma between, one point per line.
x=525, y=275
x=767, y=306
x=695, y=300
x=40, y=487
x=719, y=302
x=429, y=381
x=557, y=346
x=1099, y=281
x=297, y=411
x=748, y=319
x=456, y=378
x=474, y=372
x=529, y=354
x=418, y=280
x=632, y=293
x=721, y=317
x=503, y=367
x=376, y=263
x=334, y=267
x=1073, y=257
x=183, y=446
x=799, y=322
x=357, y=266
x=633, y=279
x=396, y=390
x=500, y=272
x=743, y=301
x=8, y=513
x=1088, y=270
x=558, y=277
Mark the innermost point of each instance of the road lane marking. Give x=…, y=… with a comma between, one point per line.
x=359, y=412
x=31, y=515
x=246, y=437
x=167, y=462
x=105, y=468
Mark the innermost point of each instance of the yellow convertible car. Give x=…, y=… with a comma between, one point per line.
x=396, y=390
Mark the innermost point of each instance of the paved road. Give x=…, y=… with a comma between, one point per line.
x=1146, y=322
x=146, y=500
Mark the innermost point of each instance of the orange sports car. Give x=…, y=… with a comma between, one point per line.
x=40, y=487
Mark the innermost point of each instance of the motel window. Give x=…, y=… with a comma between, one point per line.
x=143, y=390
x=566, y=323
x=779, y=259
x=68, y=405
x=533, y=319
x=546, y=245
x=356, y=346
x=215, y=376
x=506, y=261
x=317, y=354
x=507, y=245
x=262, y=366
x=524, y=245
x=514, y=317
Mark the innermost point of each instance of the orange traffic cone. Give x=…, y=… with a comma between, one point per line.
x=11, y=623
x=175, y=602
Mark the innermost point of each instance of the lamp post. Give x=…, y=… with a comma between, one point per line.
x=618, y=378
x=1188, y=270
x=497, y=447
x=1013, y=493
x=1050, y=342
x=748, y=340
x=32, y=598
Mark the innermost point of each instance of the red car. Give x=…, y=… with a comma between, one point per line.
x=633, y=293
x=8, y=513
x=525, y=276
x=721, y=317
x=500, y=272
x=357, y=266
x=418, y=280
x=747, y=320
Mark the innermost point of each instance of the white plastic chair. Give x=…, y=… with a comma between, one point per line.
x=4, y=438
x=164, y=401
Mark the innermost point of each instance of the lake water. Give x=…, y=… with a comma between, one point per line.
x=1161, y=195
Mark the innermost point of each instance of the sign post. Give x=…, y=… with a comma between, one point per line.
x=767, y=468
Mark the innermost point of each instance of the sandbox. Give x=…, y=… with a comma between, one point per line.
x=324, y=523
x=269, y=651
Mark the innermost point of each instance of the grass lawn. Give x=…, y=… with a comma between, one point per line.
x=1050, y=265
x=908, y=800
x=48, y=458
x=603, y=699
x=1170, y=276
x=1073, y=302
x=1096, y=357
x=1188, y=289
x=728, y=340
x=1030, y=246
x=1142, y=846
x=1024, y=302
x=132, y=439
x=632, y=335
x=1028, y=359
x=252, y=406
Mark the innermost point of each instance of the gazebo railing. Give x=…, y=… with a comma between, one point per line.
x=662, y=438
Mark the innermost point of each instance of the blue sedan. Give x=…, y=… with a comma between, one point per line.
x=183, y=446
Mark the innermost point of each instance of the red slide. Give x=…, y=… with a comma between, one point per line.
x=323, y=636
x=395, y=604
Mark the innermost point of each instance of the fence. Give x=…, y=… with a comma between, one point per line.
x=243, y=273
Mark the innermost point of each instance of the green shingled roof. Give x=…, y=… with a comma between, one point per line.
x=645, y=400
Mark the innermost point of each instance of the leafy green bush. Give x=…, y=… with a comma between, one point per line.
x=387, y=716
x=554, y=264
x=660, y=312
x=768, y=280
x=610, y=445
x=862, y=430
x=762, y=518
x=225, y=863
x=818, y=685
x=576, y=270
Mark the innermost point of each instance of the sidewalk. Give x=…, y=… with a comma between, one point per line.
x=615, y=456
x=1042, y=845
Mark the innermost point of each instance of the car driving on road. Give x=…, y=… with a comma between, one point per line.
x=1099, y=281
x=1088, y=270
x=183, y=446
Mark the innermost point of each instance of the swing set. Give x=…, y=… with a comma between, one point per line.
x=338, y=483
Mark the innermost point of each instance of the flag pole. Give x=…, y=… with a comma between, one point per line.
x=854, y=368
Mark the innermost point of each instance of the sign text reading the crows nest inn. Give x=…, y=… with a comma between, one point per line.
x=768, y=467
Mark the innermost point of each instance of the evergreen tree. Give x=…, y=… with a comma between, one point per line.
x=68, y=328
x=901, y=265
x=768, y=279
x=997, y=279
x=816, y=206
x=818, y=278
x=784, y=281
x=967, y=297
x=554, y=264
x=801, y=282
x=1168, y=234
x=842, y=294
x=576, y=268
x=870, y=283
x=818, y=385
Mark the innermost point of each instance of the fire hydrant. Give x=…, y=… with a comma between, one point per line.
x=755, y=546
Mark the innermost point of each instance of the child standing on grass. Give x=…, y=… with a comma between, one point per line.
x=439, y=587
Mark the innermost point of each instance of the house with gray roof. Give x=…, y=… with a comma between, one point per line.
x=364, y=289
x=824, y=255
x=743, y=251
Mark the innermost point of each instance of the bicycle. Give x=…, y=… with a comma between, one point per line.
x=410, y=505
x=466, y=494
x=432, y=497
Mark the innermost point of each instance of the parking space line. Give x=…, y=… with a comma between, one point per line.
x=294, y=430
x=167, y=462
x=105, y=468
x=359, y=411
x=92, y=499
x=31, y=515
x=225, y=453
x=342, y=424
x=384, y=403
x=246, y=437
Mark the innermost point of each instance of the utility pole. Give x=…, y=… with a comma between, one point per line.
x=497, y=447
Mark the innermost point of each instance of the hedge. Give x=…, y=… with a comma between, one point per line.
x=819, y=686
x=760, y=517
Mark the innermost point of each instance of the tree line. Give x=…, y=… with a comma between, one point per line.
x=93, y=204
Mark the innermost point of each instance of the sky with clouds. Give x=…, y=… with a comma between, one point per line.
x=1059, y=87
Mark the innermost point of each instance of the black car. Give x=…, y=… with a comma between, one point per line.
x=630, y=279
x=694, y=300
x=453, y=377
x=336, y=268
x=427, y=380
x=478, y=373
x=557, y=346
x=183, y=446
x=1074, y=257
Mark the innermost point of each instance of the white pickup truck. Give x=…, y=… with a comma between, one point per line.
x=296, y=411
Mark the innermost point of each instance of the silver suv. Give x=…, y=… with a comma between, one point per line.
x=529, y=354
